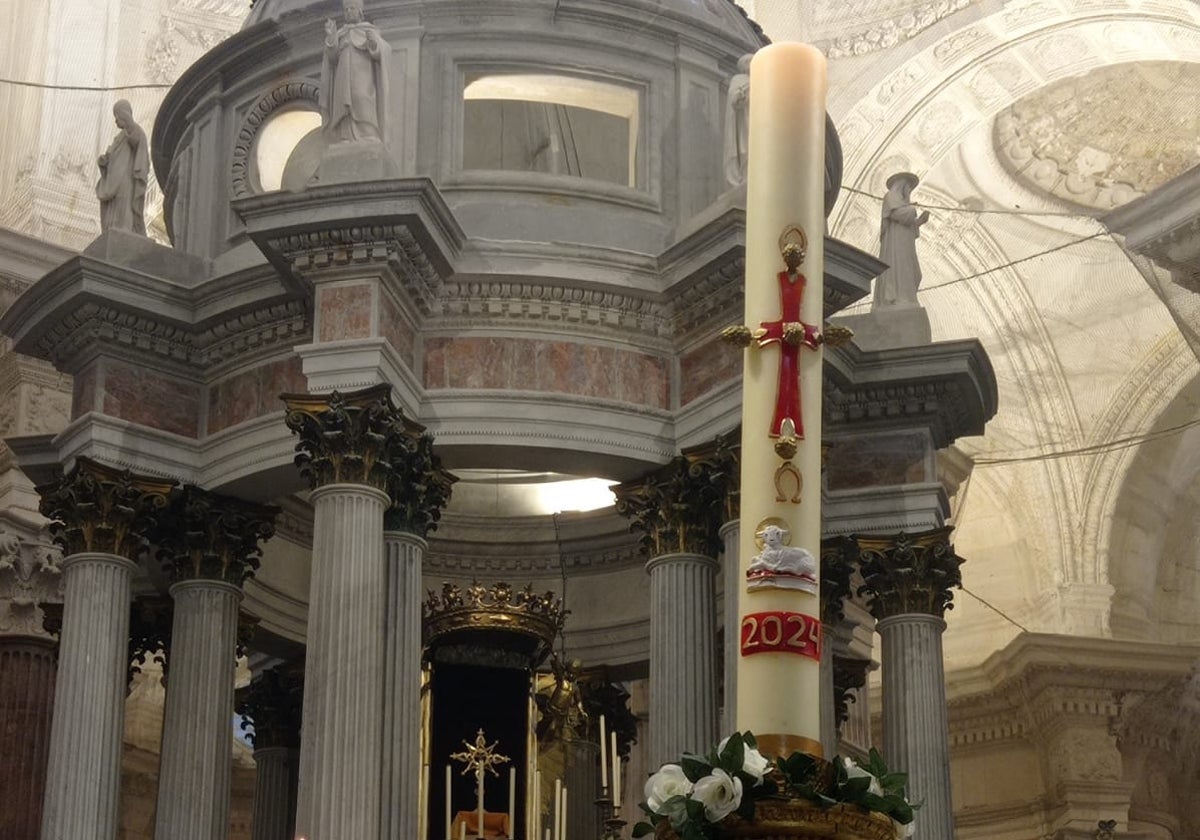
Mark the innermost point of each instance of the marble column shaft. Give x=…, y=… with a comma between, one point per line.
x=196, y=763
x=84, y=769
x=26, y=703
x=829, y=728
x=275, y=793
x=402, y=685
x=341, y=745
x=732, y=581
x=916, y=735
x=683, y=628
x=582, y=779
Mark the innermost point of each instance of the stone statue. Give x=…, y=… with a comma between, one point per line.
x=898, y=232
x=737, y=123
x=354, y=79
x=781, y=566
x=124, y=169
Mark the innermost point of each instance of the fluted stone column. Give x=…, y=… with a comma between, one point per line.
x=679, y=509
x=100, y=516
x=26, y=702
x=908, y=580
x=347, y=443
x=731, y=577
x=273, y=704
x=212, y=543
x=836, y=556
x=29, y=576
x=582, y=779
x=419, y=488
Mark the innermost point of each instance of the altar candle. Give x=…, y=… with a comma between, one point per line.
x=449, y=835
x=423, y=805
x=562, y=817
x=616, y=773
x=462, y=830
x=603, y=755
x=537, y=804
x=784, y=187
x=512, y=799
x=554, y=818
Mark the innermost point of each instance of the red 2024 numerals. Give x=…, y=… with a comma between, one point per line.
x=781, y=632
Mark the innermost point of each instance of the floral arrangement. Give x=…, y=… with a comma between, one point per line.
x=701, y=790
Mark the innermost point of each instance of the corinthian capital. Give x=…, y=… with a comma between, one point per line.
x=909, y=573
x=719, y=461
x=346, y=438
x=678, y=508
x=418, y=486
x=102, y=509
x=206, y=535
x=273, y=702
x=837, y=563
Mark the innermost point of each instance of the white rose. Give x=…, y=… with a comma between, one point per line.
x=853, y=771
x=720, y=794
x=667, y=782
x=906, y=829
x=753, y=762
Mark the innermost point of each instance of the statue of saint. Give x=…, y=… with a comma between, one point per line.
x=354, y=78
x=123, y=172
x=781, y=566
x=898, y=232
x=737, y=123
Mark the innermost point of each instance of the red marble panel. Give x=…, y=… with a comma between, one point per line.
x=876, y=460
x=151, y=399
x=83, y=392
x=706, y=367
x=253, y=393
x=561, y=367
x=345, y=312
x=435, y=363
x=396, y=330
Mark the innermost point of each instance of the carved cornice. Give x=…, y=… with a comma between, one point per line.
x=348, y=438
x=838, y=556
x=890, y=33
x=273, y=703
x=484, y=301
x=678, y=508
x=205, y=535
x=948, y=387
x=417, y=484
x=101, y=509
x=302, y=91
x=849, y=675
x=909, y=573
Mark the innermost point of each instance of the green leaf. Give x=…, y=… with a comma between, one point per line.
x=748, y=740
x=695, y=809
x=745, y=810
x=733, y=757
x=694, y=767
x=853, y=789
x=874, y=802
x=641, y=829
x=902, y=813
x=894, y=782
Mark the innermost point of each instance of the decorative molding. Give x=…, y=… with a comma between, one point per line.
x=203, y=535
x=892, y=32
x=909, y=573
x=29, y=576
x=284, y=94
x=96, y=508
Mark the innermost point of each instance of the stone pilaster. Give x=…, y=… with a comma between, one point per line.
x=345, y=449
x=419, y=488
x=908, y=579
x=583, y=775
x=680, y=509
x=29, y=574
x=210, y=545
x=836, y=558
x=272, y=702
x=99, y=517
